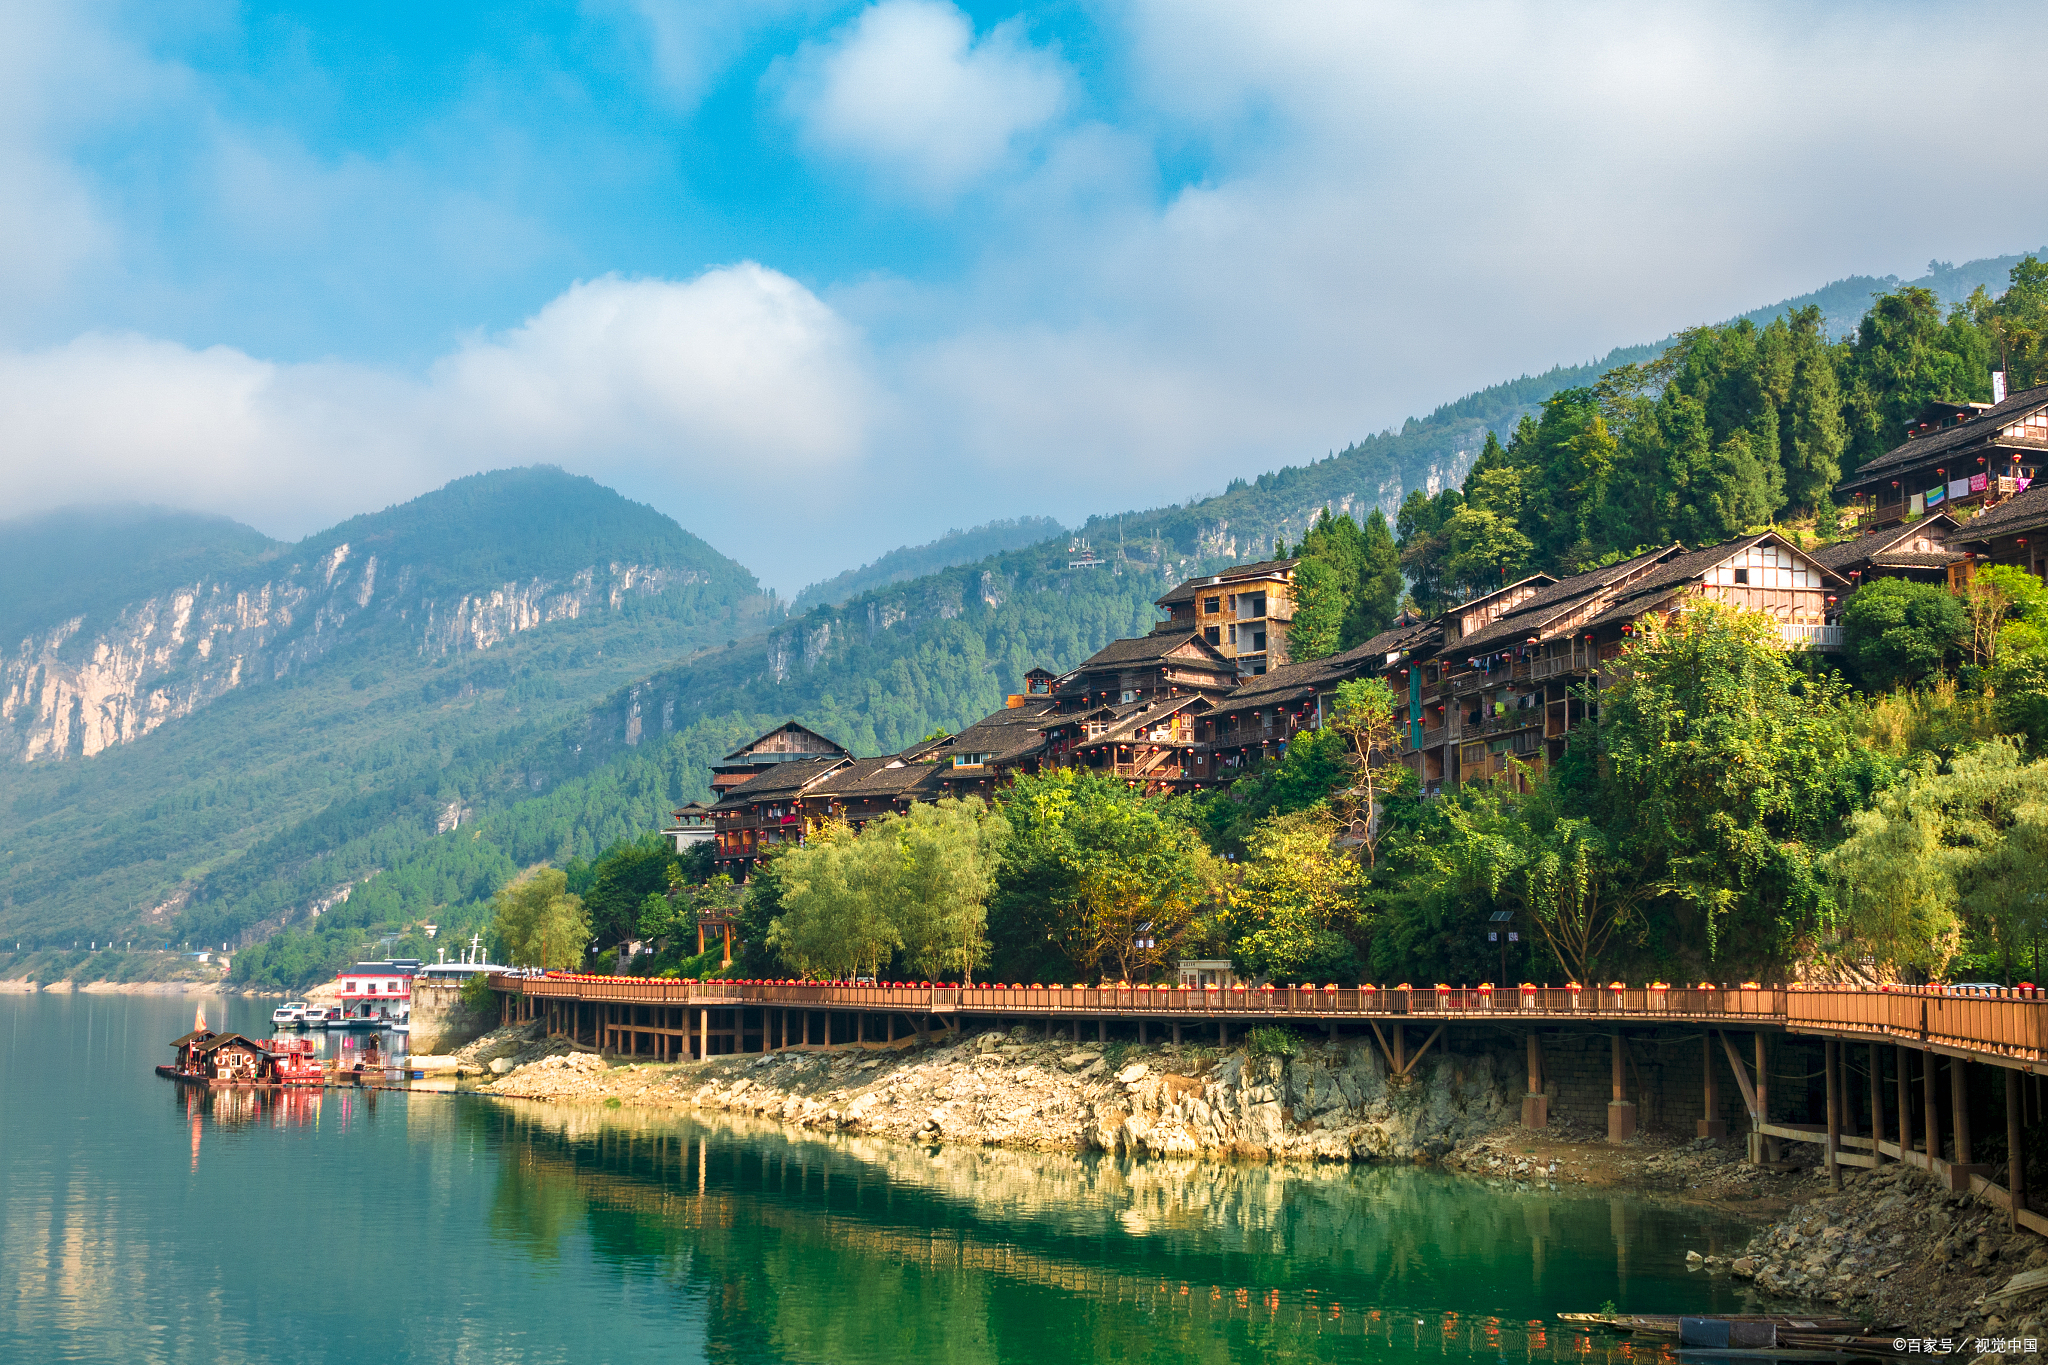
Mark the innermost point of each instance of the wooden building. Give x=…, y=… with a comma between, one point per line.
x=2015, y=533
x=1150, y=667
x=1507, y=680
x=767, y=809
x=1917, y=550
x=1957, y=457
x=1243, y=612
x=689, y=826
x=1149, y=744
x=786, y=743
x=988, y=753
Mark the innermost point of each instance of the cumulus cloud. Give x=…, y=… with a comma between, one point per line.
x=735, y=382
x=908, y=91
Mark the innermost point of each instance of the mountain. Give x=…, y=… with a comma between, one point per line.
x=243, y=687
x=914, y=561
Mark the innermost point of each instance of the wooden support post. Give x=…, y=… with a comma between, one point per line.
x=1176, y=1033
x=1930, y=1105
x=1712, y=1125
x=2015, y=1152
x=1876, y=1102
x=1535, y=1104
x=1833, y=1110
x=1223, y=1032
x=1767, y=1145
x=1102, y=1030
x=1141, y=1033
x=1074, y=1028
x=1621, y=1115
x=860, y=1027
x=1905, y=1100
x=703, y=1034
x=1959, y=1102
x=890, y=1027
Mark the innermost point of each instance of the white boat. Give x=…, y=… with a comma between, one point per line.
x=291, y=1014
x=316, y=1016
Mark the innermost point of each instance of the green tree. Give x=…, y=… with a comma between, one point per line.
x=1423, y=546
x=1295, y=914
x=947, y=853
x=539, y=922
x=1895, y=631
x=1719, y=770
x=834, y=893
x=621, y=881
x=1944, y=854
x=1095, y=876
x=1905, y=356
x=1380, y=584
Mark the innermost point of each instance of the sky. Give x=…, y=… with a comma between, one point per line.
x=821, y=279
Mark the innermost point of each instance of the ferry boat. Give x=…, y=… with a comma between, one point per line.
x=316, y=1016
x=291, y=1014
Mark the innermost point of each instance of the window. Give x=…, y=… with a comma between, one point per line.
x=1258, y=640
x=1233, y=632
x=1212, y=605
x=1213, y=634
x=1742, y=575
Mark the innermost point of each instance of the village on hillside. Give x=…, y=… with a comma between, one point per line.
x=1488, y=689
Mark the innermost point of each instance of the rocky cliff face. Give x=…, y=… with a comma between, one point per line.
x=75, y=691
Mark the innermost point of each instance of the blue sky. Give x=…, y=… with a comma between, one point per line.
x=892, y=267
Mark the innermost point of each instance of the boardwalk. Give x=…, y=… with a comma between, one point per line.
x=1931, y=1036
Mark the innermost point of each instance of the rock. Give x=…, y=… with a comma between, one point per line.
x=1694, y=1258
x=1132, y=1074
x=500, y=1065
x=1074, y=1061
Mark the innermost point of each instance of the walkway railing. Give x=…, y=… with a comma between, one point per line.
x=2010, y=1023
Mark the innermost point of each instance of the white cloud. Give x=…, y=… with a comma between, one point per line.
x=907, y=91
x=734, y=383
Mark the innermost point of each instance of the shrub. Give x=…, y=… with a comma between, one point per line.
x=1273, y=1041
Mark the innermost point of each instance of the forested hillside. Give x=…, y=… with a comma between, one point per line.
x=914, y=561
x=393, y=648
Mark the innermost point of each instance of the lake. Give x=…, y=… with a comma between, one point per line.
x=141, y=1221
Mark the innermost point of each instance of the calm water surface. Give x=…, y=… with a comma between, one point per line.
x=139, y=1222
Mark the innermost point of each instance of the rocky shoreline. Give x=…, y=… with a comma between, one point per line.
x=25, y=986
x=1332, y=1101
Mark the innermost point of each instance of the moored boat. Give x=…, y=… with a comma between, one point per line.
x=291, y=1014
x=206, y=1057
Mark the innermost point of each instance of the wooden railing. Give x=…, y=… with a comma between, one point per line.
x=2010, y=1023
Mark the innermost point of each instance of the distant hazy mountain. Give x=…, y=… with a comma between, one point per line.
x=914, y=561
x=1844, y=302
x=181, y=688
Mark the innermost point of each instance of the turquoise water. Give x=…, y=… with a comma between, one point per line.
x=142, y=1222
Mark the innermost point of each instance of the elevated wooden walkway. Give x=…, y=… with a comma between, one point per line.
x=2006, y=1029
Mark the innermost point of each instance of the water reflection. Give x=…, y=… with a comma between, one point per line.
x=996, y=1255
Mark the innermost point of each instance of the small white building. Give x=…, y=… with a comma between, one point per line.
x=1207, y=971
x=692, y=826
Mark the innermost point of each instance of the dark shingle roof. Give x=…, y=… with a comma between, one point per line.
x=1148, y=649
x=1913, y=559
x=784, y=779
x=1194, y=587
x=1936, y=444
x=1844, y=554
x=867, y=778
x=741, y=754
x=1558, y=599
x=2024, y=512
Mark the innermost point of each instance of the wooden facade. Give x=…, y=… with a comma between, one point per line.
x=1244, y=612
x=1961, y=458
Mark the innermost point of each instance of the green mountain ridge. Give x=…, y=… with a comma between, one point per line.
x=393, y=658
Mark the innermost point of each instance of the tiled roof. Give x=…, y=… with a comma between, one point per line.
x=1194, y=587
x=1914, y=559
x=873, y=777
x=742, y=754
x=1845, y=554
x=1935, y=444
x=1558, y=599
x=1148, y=649
x=784, y=779
x=2026, y=512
